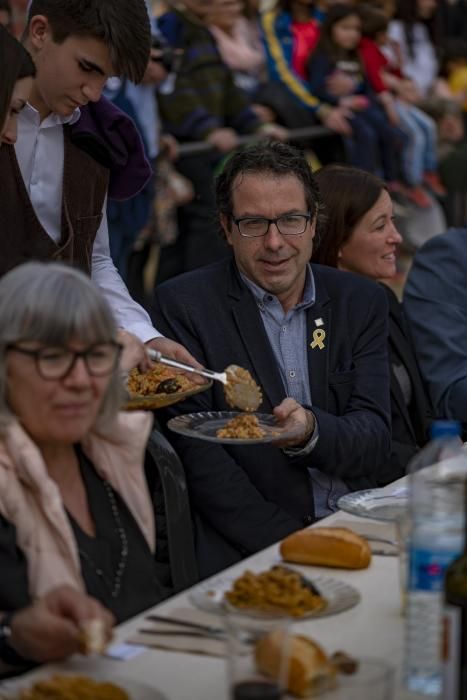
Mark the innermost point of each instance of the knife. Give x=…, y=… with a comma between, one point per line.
x=207, y=629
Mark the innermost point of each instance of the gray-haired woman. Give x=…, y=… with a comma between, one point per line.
x=75, y=506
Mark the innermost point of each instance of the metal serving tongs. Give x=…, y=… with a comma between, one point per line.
x=240, y=388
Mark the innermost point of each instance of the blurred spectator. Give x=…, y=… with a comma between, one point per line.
x=374, y=143
x=6, y=14
x=414, y=30
x=454, y=17
x=452, y=156
x=419, y=157
x=239, y=43
x=204, y=105
x=127, y=219
x=435, y=303
x=290, y=32
x=452, y=80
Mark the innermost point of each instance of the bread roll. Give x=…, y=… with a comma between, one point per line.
x=327, y=546
x=309, y=671
x=94, y=637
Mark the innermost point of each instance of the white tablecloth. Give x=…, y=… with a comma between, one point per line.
x=373, y=628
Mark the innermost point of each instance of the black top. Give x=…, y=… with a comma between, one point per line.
x=410, y=419
x=145, y=582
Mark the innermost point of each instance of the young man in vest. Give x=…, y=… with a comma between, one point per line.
x=53, y=193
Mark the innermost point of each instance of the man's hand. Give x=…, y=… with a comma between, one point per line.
x=294, y=417
x=51, y=629
x=337, y=119
x=225, y=139
x=265, y=114
x=274, y=132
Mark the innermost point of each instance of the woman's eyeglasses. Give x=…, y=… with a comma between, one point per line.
x=100, y=359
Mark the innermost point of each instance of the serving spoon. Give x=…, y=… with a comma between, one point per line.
x=240, y=388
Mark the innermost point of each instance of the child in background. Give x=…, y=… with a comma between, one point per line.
x=452, y=80
x=413, y=29
x=419, y=156
x=374, y=140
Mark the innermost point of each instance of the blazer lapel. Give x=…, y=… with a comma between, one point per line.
x=319, y=332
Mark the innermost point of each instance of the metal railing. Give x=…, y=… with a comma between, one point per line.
x=307, y=133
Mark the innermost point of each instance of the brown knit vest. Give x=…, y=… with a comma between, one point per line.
x=22, y=236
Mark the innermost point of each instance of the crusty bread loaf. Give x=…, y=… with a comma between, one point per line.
x=327, y=546
x=309, y=672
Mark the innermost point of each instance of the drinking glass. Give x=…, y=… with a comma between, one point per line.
x=374, y=680
x=245, y=681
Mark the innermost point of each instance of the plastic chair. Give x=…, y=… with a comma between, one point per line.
x=180, y=537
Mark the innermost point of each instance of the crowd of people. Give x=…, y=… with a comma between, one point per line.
x=120, y=132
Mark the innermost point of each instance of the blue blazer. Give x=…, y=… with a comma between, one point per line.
x=252, y=496
x=435, y=304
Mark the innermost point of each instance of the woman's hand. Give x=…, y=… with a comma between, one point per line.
x=294, y=417
x=52, y=628
x=134, y=352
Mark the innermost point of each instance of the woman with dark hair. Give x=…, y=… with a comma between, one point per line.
x=414, y=29
x=358, y=235
x=17, y=70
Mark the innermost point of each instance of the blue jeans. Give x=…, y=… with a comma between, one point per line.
x=419, y=155
x=374, y=144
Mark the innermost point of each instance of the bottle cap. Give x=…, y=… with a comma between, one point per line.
x=445, y=428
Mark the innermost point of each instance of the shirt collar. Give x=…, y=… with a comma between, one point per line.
x=30, y=114
x=264, y=297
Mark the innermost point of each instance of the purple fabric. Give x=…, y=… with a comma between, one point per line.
x=111, y=137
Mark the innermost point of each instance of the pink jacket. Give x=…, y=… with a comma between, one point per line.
x=31, y=500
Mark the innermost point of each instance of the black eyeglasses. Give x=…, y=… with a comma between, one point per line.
x=57, y=363
x=287, y=224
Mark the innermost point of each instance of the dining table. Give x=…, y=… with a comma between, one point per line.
x=374, y=627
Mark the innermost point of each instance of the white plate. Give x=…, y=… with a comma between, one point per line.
x=366, y=682
x=205, y=425
x=137, y=691
x=340, y=596
x=375, y=503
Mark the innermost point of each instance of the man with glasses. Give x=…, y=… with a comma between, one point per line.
x=315, y=340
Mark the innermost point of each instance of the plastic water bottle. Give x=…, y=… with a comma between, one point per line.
x=436, y=474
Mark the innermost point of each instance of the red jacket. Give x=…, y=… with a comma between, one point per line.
x=374, y=62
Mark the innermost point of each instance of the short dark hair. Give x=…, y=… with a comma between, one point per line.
x=16, y=63
x=265, y=158
x=347, y=194
x=123, y=26
x=374, y=21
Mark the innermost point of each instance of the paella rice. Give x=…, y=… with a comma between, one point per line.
x=243, y=427
x=149, y=383
x=73, y=688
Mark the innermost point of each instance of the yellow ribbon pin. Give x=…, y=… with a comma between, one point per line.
x=318, y=339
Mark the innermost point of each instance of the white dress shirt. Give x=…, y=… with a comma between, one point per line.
x=40, y=154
